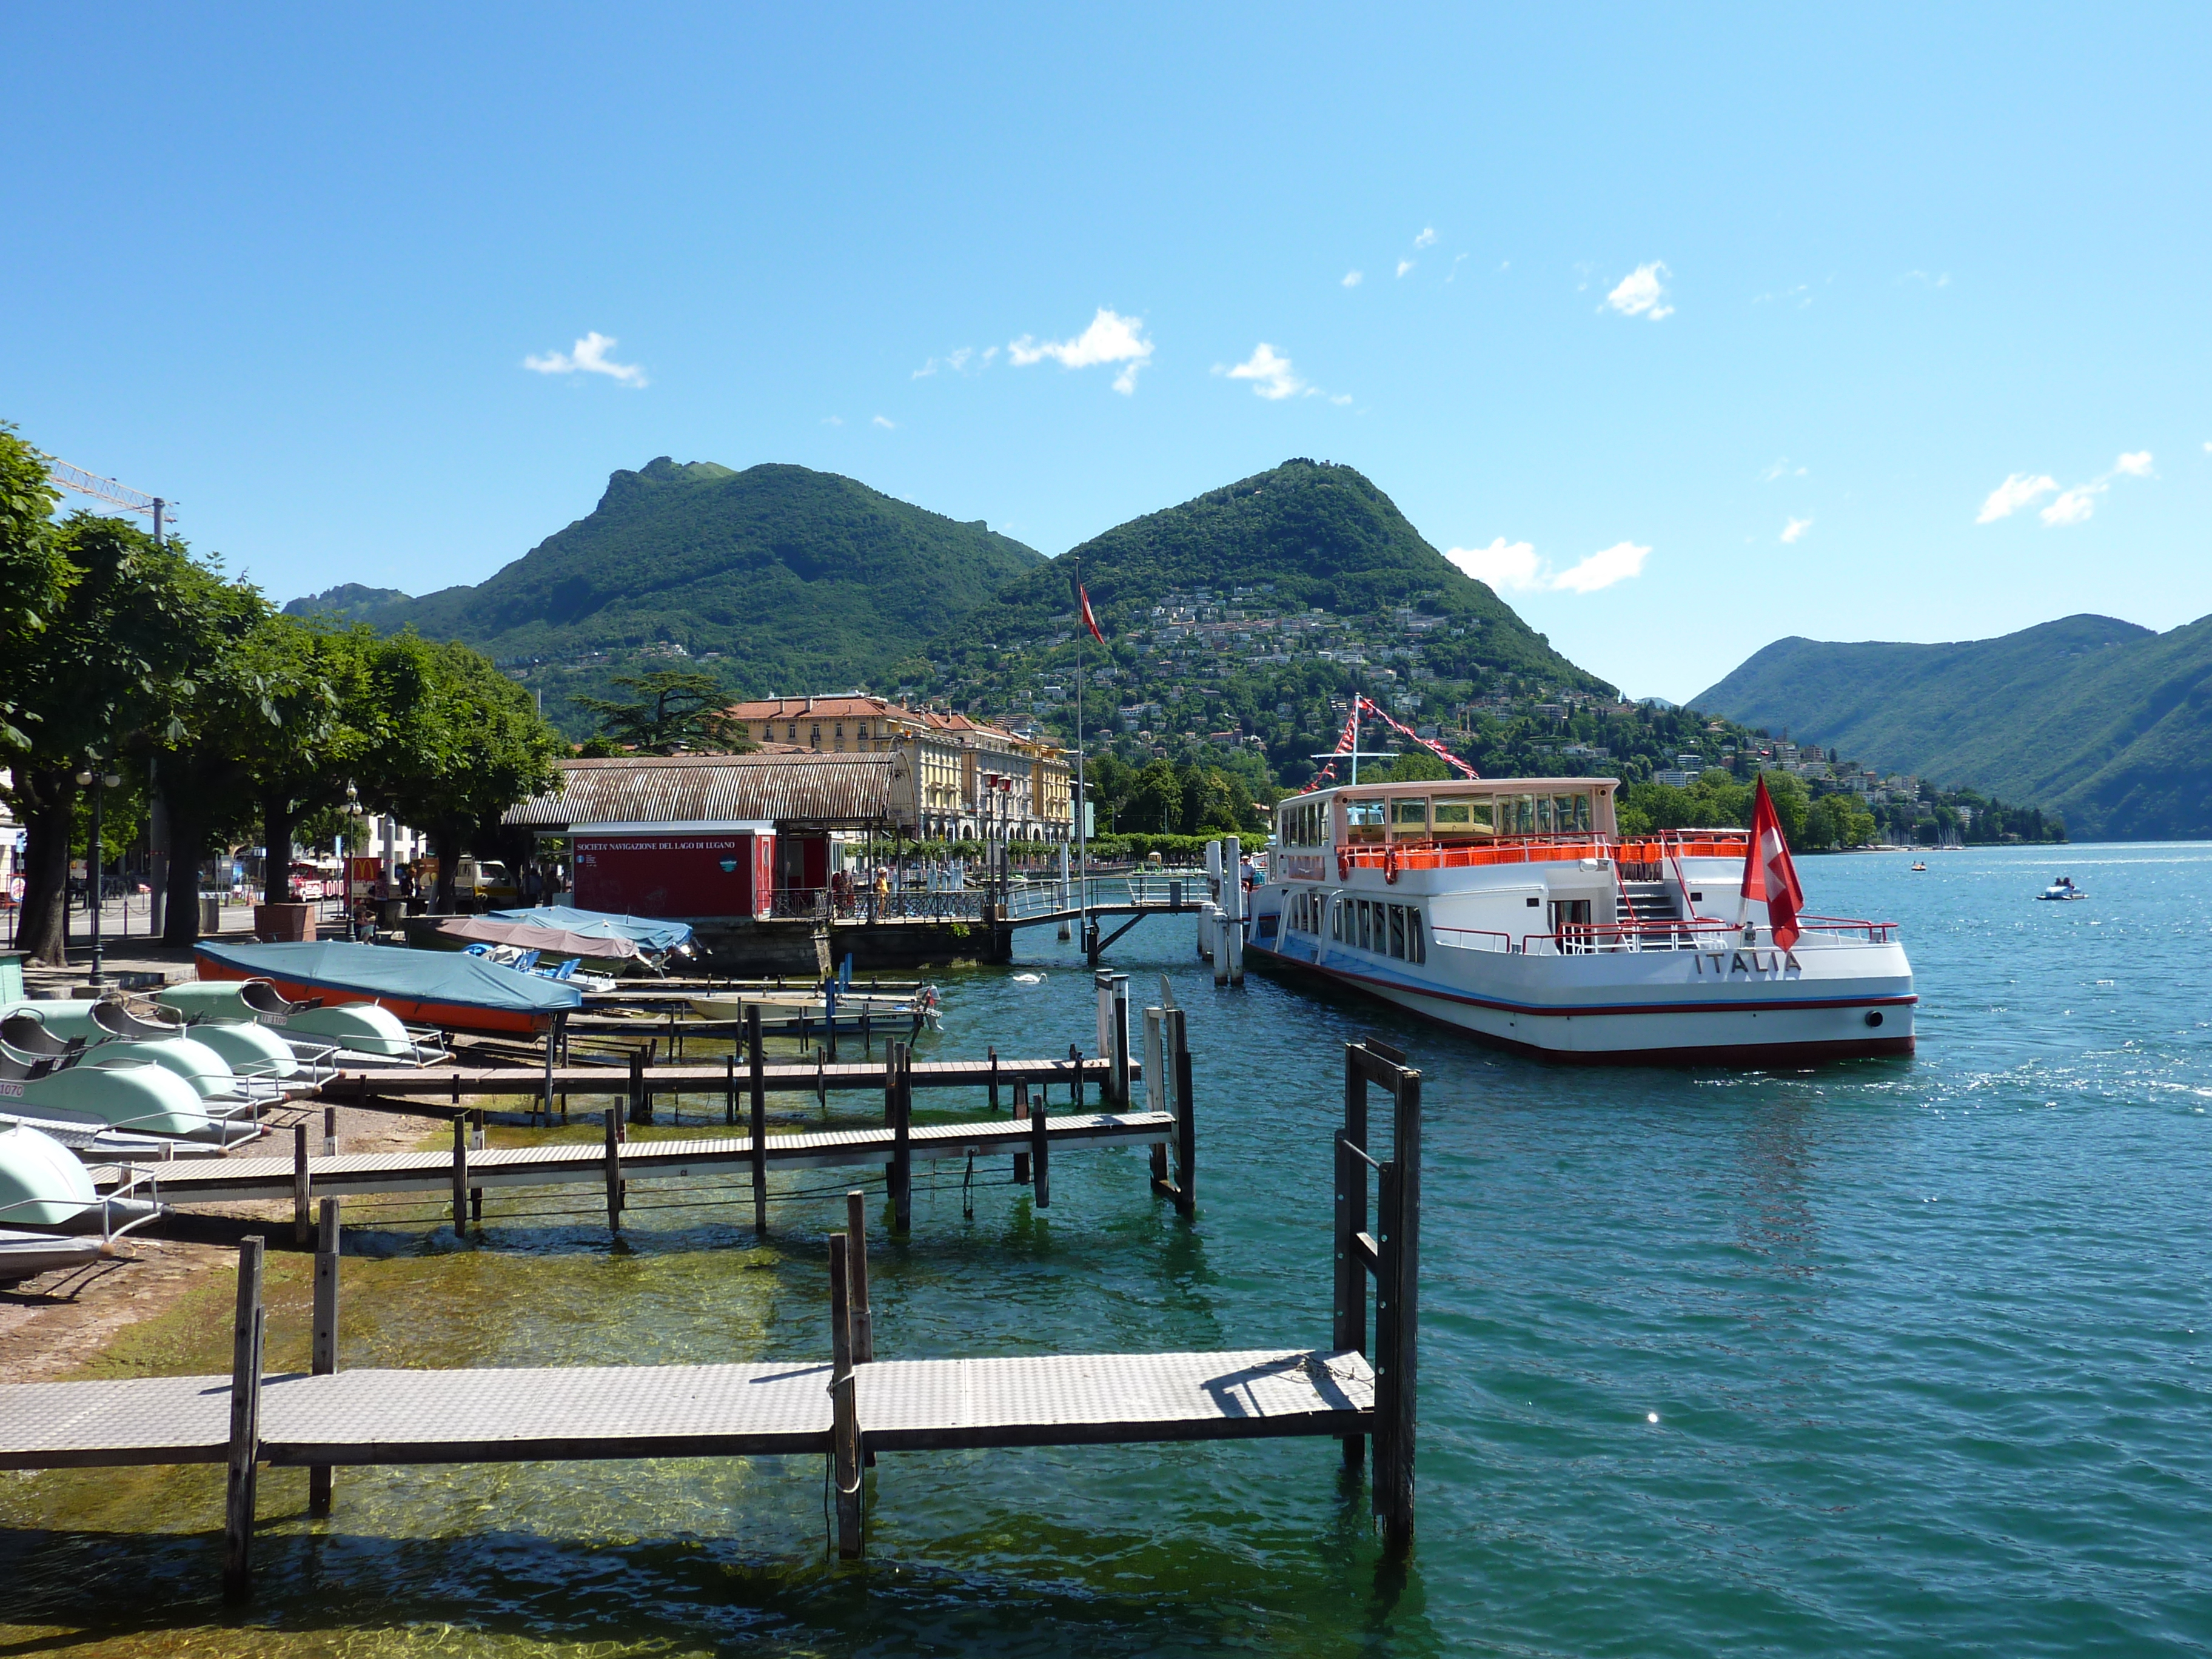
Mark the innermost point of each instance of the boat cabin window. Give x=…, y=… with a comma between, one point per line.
x=1517, y=815
x=1362, y=820
x=1410, y=817
x=1458, y=817
x=1303, y=821
x=1397, y=930
x=1571, y=814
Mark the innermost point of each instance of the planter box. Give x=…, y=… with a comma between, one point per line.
x=277, y=924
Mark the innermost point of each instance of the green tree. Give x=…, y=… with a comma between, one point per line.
x=674, y=708
x=100, y=677
x=457, y=743
x=34, y=578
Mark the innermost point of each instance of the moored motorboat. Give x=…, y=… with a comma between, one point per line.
x=655, y=940
x=433, y=988
x=1513, y=909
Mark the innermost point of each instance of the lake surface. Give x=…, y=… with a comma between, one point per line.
x=1926, y=1343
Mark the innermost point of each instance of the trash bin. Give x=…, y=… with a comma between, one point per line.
x=210, y=914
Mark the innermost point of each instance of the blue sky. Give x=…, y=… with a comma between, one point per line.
x=384, y=296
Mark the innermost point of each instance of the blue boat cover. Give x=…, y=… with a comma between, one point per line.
x=425, y=975
x=603, y=923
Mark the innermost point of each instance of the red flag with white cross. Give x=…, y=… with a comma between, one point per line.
x=1768, y=874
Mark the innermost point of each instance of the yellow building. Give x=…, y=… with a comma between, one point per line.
x=967, y=776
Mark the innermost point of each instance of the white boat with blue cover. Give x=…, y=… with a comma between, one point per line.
x=1512, y=909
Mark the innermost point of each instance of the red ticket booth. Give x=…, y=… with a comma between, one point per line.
x=676, y=870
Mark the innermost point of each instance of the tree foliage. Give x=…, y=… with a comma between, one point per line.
x=672, y=708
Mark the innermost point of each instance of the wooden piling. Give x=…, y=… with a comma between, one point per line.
x=552, y=1041
x=730, y=1088
x=614, y=1174
x=1156, y=1089
x=1075, y=1083
x=323, y=1356
x=856, y=1263
x=1186, y=1175
x=994, y=1077
x=1021, y=1116
x=302, y=1226
x=1398, y=1294
x=845, y=1424
x=1040, y=1160
x=246, y=1332
x=757, y=1119
x=460, y=1177
x=329, y=1131
x=902, y=1170
x=1118, y=1050
x=641, y=1103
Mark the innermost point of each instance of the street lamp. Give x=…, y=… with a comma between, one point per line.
x=100, y=782
x=345, y=884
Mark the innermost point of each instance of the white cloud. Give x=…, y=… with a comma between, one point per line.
x=1643, y=292
x=1427, y=238
x=1516, y=565
x=1352, y=279
x=887, y=425
x=2019, y=491
x=1270, y=373
x=2074, y=505
x=1404, y=265
x=1341, y=397
x=1111, y=338
x=589, y=356
x=955, y=360
x=1502, y=564
x=1793, y=532
x=1780, y=469
x=833, y=420
x=1603, y=569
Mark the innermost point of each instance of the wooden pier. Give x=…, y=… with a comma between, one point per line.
x=851, y=1407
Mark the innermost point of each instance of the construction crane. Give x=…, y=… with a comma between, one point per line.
x=107, y=489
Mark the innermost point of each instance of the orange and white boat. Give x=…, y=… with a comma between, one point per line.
x=1512, y=909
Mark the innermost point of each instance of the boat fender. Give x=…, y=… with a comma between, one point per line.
x=1390, y=867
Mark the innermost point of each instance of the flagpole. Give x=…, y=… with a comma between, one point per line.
x=1082, y=780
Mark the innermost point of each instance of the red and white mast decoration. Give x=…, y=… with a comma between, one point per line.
x=1347, y=743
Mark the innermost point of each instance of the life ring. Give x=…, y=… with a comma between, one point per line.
x=1390, y=867
x=1344, y=863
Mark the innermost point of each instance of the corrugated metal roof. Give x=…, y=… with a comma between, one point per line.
x=847, y=789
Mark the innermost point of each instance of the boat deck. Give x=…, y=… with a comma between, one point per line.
x=526, y=1415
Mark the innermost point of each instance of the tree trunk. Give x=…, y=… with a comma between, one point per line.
x=48, y=798
x=277, y=817
x=446, y=839
x=187, y=846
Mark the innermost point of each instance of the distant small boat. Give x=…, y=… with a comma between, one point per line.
x=1920, y=866
x=450, y=992
x=2061, y=890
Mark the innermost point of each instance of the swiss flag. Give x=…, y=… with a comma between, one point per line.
x=1768, y=874
x=1090, y=621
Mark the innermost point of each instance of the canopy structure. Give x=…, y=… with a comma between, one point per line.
x=498, y=929
x=449, y=989
x=656, y=936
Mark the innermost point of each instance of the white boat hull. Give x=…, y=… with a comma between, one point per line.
x=1753, y=1006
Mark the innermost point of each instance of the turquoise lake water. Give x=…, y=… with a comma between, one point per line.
x=1926, y=1342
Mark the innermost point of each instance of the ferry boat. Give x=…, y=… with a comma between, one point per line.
x=1512, y=909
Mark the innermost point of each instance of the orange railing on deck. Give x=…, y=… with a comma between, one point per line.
x=1541, y=849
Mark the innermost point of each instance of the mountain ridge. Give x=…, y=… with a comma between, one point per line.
x=2103, y=720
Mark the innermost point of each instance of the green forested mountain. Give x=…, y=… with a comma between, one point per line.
x=1320, y=535
x=2108, y=723
x=793, y=578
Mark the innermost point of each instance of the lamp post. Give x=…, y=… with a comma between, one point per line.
x=100, y=782
x=353, y=834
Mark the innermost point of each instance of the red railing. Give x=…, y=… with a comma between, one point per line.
x=1544, y=849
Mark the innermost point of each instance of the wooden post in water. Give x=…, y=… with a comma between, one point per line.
x=1021, y=1116
x=329, y=1131
x=552, y=1041
x=844, y=1414
x=994, y=1077
x=1156, y=1090
x=460, y=1176
x=246, y=1340
x=758, y=1119
x=901, y=1139
x=730, y=1086
x=1075, y=1083
x=302, y=1227
x=323, y=1358
x=1398, y=1300
x=614, y=1174
x=1039, y=1158
x=1350, y=1332
x=856, y=1263
x=1117, y=1049
x=640, y=1103
x=1186, y=1160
